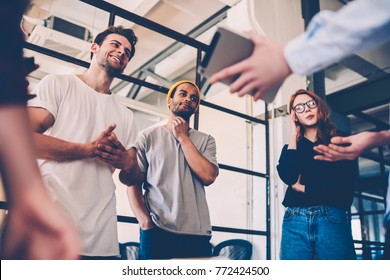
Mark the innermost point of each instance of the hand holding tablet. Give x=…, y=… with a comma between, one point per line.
x=236, y=60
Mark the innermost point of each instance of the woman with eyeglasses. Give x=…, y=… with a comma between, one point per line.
x=316, y=224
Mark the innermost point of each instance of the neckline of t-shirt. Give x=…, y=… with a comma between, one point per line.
x=190, y=129
x=90, y=88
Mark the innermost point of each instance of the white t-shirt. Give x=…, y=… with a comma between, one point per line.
x=84, y=188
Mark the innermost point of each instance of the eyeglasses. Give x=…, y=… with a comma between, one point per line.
x=300, y=108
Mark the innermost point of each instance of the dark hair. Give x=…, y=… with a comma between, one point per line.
x=120, y=30
x=325, y=127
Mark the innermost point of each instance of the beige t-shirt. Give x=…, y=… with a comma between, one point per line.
x=85, y=188
x=175, y=197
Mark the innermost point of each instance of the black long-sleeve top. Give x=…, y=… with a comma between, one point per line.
x=326, y=183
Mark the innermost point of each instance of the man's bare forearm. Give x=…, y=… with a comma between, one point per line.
x=52, y=148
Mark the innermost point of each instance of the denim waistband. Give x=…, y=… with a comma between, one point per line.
x=315, y=209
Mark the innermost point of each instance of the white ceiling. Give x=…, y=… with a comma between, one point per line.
x=181, y=16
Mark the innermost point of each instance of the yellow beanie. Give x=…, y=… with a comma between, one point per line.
x=172, y=88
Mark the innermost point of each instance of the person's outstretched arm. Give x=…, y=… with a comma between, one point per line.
x=334, y=35
x=330, y=37
x=357, y=144
x=36, y=228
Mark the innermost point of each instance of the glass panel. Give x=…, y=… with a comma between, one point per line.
x=358, y=68
x=259, y=149
x=230, y=189
x=49, y=65
x=62, y=27
x=232, y=135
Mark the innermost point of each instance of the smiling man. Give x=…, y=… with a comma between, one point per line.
x=74, y=118
x=176, y=163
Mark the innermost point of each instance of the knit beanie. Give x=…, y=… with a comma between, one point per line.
x=174, y=86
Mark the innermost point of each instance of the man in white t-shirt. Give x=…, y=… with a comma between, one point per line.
x=74, y=117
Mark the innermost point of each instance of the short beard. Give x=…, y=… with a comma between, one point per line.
x=111, y=71
x=186, y=115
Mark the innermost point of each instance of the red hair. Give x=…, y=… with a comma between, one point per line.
x=325, y=127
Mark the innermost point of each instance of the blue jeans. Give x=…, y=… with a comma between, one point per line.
x=320, y=232
x=386, y=253
x=157, y=243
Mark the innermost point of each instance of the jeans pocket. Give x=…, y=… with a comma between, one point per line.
x=288, y=214
x=148, y=230
x=337, y=215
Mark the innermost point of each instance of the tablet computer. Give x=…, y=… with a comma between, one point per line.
x=227, y=48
